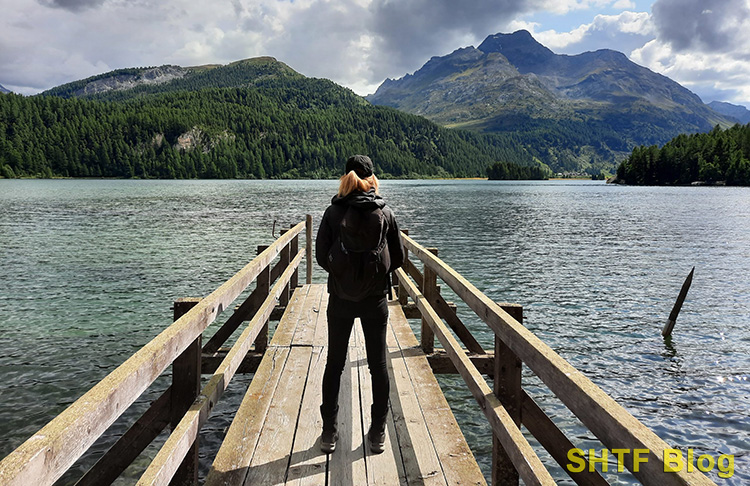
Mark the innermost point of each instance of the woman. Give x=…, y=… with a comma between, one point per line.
x=358, y=244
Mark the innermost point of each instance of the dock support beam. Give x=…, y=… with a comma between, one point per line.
x=294, y=248
x=186, y=385
x=430, y=291
x=403, y=295
x=285, y=258
x=507, y=388
x=309, y=248
x=263, y=282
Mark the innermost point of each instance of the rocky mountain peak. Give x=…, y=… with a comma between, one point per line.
x=520, y=48
x=3, y=89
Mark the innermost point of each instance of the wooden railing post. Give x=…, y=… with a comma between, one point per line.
x=507, y=388
x=186, y=385
x=263, y=283
x=309, y=248
x=293, y=249
x=429, y=289
x=403, y=295
x=284, y=258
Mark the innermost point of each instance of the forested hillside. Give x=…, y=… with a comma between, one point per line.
x=720, y=156
x=273, y=124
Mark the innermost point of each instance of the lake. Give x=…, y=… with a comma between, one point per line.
x=90, y=268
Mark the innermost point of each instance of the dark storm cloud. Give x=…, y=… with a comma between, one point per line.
x=72, y=5
x=697, y=24
x=412, y=31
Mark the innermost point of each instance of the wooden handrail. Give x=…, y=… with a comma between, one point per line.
x=46, y=456
x=165, y=464
x=608, y=420
x=525, y=460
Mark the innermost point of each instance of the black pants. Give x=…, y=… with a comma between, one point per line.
x=373, y=314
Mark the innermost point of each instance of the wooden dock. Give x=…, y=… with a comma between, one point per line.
x=274, y=437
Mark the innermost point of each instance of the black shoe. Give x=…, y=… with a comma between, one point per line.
x=328, y=441
x=376, y=438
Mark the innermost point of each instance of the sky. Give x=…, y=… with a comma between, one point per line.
x=702, y=44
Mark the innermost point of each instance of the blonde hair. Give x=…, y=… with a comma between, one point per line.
x=351, y=182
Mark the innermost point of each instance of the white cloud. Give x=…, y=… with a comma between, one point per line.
x=713, y=76
x=703, y=49
x=624, y=4
x=623, y=32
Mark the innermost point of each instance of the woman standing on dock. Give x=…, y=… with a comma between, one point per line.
x=359, y=245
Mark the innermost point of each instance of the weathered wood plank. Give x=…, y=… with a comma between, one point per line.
x=304, y=332
x=607, y=419
x=523, y=456
x=271, y=459
x=347, y=463
x=232, y=462
x=284, y=332
x=420, y=460
x=457, y=460
x=386, y=468
x=402, y=333
x=307, y=465
x=52, y=450
x=321, y=323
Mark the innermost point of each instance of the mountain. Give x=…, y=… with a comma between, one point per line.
x=3, y=89
x=740, y=113
x=581, y=112
x=255, y=118
x=127, y=83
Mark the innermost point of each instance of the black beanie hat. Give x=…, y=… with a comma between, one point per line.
x=361, y=164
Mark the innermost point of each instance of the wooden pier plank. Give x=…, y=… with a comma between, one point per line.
x=421, y=463
x=385, y=468
x=347, y=463
x=284, y=332
x=321, y=328
x=271, y=459
x=459, y=464
x=307, y=324
x=308, y=464
x=236, y=452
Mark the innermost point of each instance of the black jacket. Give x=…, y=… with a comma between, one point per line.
x=329, y=229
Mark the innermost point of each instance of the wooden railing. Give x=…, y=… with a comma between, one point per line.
x=46, y=456
x=508, y=406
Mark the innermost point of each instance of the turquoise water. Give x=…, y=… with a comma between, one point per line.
x=90, y=268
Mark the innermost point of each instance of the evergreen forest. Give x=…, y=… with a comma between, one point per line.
x=238, y=121
x=502, y=171
x=721, y=156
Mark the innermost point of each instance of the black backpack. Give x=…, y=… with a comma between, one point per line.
x=359, y=259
